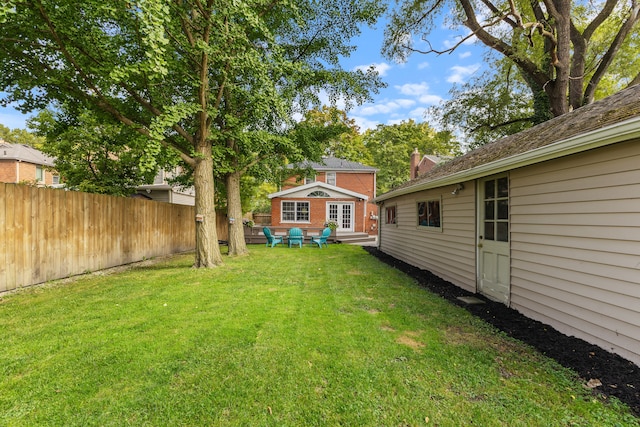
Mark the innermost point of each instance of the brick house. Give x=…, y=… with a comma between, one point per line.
x=20, y=163
x=341, y=191
x=420, y=166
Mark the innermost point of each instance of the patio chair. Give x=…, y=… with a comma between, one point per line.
x=271, y=240
x=322, y=239
x=295, y=236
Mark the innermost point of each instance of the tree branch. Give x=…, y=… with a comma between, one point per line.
x=607, y=59
x=497, y=12
x=527, y=66
x=635, y=81
x=98, y=98
x=599, y=19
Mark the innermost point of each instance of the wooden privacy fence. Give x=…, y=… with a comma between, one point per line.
x=50, y=234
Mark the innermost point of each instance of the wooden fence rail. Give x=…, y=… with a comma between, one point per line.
x=49, y=234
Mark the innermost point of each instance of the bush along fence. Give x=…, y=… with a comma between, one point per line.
x=48, y=234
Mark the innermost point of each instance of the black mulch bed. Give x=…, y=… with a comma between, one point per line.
x=619, y=377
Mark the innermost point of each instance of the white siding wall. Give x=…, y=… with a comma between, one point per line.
x=575, y=246
x=450, y=253
x=180, y=198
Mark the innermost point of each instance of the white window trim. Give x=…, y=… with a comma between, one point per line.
x=333, y=174
x=295, y=221
x=41, y=170
x=429, y=227
x=395, y=217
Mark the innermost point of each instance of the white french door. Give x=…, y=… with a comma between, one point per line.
x=342, y=213
x=494, y=260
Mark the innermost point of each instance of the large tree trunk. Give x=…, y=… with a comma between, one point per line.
x=237, y=244
x=559, y=89
x=207, y=248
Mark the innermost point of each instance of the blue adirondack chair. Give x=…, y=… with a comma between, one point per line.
x=271, y=240
x=295, y=236
x=322, y=239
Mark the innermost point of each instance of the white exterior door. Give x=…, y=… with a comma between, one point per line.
x=342, y=213
x=494, y=261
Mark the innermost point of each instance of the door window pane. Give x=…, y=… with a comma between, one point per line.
x=346, y=216
x=502, y=234
x=496, y=209
x=488, y=230
x=503, y=187
x=503, y=209
x=489, y=189
x=489, y=209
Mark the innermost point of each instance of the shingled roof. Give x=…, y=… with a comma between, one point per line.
x=24, y=153
x=336, y=164
x=567, y=129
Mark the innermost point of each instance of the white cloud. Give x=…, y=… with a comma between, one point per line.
x=464, y=55
x=386, y=107
x=420, y=91
x=423, y=65
x=405, y=103
x=430, y=99
x=381, y=68
x=460, y=73
x=418, y=113
x=414, y=89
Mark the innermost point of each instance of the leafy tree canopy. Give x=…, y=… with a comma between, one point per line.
x=391, y=147
x=20, y=136
x=201, y=78
x=566, y=53
x=347, y=143
x=95, y=153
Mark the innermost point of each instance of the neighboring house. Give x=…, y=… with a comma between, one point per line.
x=24, y=164
x=546, y=221
x=162, y=191
x=20, y=163
x=420, y=166
x=341, y=191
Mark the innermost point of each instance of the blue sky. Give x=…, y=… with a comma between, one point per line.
x=413, y=86
x=417, y=84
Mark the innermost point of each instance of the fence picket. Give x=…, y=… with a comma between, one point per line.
x=49, y=234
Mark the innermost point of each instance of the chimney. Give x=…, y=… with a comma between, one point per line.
x=415, y=159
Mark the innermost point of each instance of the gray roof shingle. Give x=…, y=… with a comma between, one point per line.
x=336, y=164
x=24, y=153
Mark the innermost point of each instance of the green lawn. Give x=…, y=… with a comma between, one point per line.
x=283, y=337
